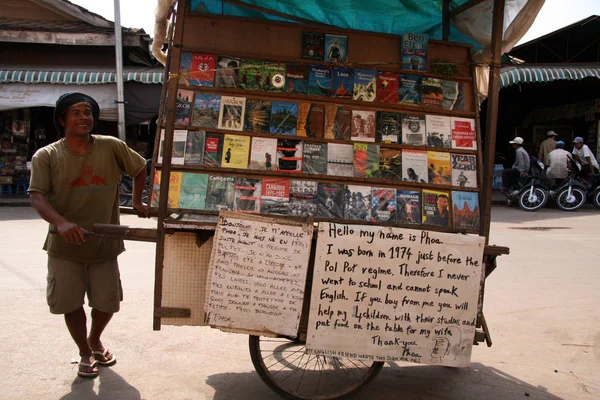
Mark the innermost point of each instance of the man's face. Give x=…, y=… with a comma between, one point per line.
x=578, y=146
x=78, y=120
x=442, y=203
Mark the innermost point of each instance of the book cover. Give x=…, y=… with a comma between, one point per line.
x=289, y=155
x=236, y=150
x=179, y=145
x=330, y=200
x=228, y=72
x=342, y=82
x=465, y=210
x=357, y=203
x=192, y=194
x=436, y=208
x=313, y=45
x=390, y=164
x=336, y=48
x=251, y=75
x=303, y=198
x=439, y=169
x=174, y=189
x=366, y=160
x=194, y=150
x=220, y=193
x=463, y=133
x=389, y=128
x=284, y=118
x=340, y=159
x=373, y=171
x=438, y=130
x=183, y=106
x=454, y=95
x=257, y=117
x=213, y=150
x=315, y=158
x=185, y=68
x=206, y=110
x=413, y=129
x=202, y=71
x=363, y=125
x=247, y=195
x=464, y=170
x=338, y=122
x=263, y=154
x=408, y=203
x=414, y=166
x=274, y=77
x=319, y=80
x=383, y=205
x=387, y=87
x=296, y=81
x=232, y=113
x=365, y=85
x=432, y=93
x=155, y=196
x=414, y=51
x=409, y=91
x=275, y=197
x=311, y=120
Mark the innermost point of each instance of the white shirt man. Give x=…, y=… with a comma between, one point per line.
x=558, y=162
x=585, y=155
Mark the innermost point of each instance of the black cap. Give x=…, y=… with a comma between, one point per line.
x=67, y=100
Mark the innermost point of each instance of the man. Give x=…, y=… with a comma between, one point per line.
x=510, y=176
x=589, y=164
x=546, y=147
x=558, y=162
x=74, y=184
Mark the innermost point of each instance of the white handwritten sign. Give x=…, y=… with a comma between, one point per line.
x=257, y=274
x=391, y=294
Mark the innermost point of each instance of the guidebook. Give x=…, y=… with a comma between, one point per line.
x=206, y=110
x=183, y=106
x=342, y=83
x=365, y=85
x=319, y=80
x=409, y=91
x=296, y=81
x=432, y=93
x=284, y=118
x=464, y=170
x=258, y=116
x=231, y=115
x=274, y=77
x=465, y=210
x=251, y=75
x=338, y=122
x=220, y=193
x=311, y=120
x=387, y=87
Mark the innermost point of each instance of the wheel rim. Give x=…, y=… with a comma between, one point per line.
x=572, y=202
x=534, y=200
x=597, y=199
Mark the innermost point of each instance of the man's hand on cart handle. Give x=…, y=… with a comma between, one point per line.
x=142, y=210
x=71, y=232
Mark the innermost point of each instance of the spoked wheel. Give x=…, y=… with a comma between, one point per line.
x=285, y=367
x=571, y=202
x=533, y=200
x=596, y=199
x=124, y=194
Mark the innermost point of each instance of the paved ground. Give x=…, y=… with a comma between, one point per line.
x=541, y=305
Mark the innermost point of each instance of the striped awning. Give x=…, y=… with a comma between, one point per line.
x=521, y=74
x=143, y=75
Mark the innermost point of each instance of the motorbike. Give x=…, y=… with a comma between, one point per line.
x=531, y=191
x=126, y=187
x=571, y=194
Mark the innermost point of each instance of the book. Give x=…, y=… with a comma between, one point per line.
x=438, y=130
x=251, y=75
x=414, y=51
x=465, y=210
x=284, y=118
x=235, y=151
x=228, y=72
x=432, y=93
x=363, y=125
x=247, y=196
x=296, y=79
x=387, y=87
x=174, y=189
x=390, y=164
x=436, y=208
x=220, y=193
x=202, y=69
x=408, y=203
x=194, y=150
x=206, y=110
x=439, y=170
x=315, y=158
x=366, y=160
x=179, y=145
x=185, y=68
x=342, y=82
x=289, y=155
x=338, y=122
x=155, y=195
x=340, y=159
x=330, y=200
x=463, y=133
x=313, y=45
x=453, y=95
x=263, y=153
x=257, y=117
x=311, y=120
x=383, y=205
x=183, y=106
x=413, y=129
x=231, y=115
x=275, y=197
x=464, y=170
x=319, y=80
x=303, y=196
x=274, y=77
x=192, y=194
x=357, y=203
x=409, y=90
x=365, y=85
x=414, y=166
x=389, y=127
x=213, y=149
x=336, y=48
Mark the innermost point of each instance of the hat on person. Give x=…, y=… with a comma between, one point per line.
x=578, y=139
x=551, y=133
x=560, y=144
x=517, y=140
x=69, y=99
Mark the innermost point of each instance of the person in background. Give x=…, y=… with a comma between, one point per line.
x=558, y=162
x=546, y=147
x=510, y=176
x=583, y=154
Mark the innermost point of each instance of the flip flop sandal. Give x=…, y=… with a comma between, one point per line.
x=102, y=357
x=87, y=370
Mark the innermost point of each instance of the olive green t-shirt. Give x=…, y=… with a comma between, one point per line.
x=83, y=188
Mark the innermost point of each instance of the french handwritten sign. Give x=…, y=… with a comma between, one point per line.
x=391, y=294
x=257, y=274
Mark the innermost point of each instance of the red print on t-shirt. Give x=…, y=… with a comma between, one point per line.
x=87, y=171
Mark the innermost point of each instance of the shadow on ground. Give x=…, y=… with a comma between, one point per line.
x=111, y=386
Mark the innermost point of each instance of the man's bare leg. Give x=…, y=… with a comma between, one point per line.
x=76, y=322
x=99, y=321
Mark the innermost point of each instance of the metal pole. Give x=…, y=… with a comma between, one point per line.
x=119, y=69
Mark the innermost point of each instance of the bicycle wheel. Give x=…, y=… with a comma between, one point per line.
x=286, y=368
x=124, y=194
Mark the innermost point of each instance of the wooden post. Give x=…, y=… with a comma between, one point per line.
x=492, y=116
x=446, y=19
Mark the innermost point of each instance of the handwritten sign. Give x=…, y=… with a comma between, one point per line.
x=391, y=294
x=257, y=274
